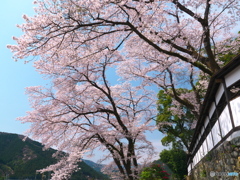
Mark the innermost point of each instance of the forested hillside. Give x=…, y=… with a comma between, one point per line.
x=20, y=159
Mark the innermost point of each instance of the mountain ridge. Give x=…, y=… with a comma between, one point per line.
x=21, y=159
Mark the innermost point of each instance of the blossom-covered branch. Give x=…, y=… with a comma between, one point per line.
x=82, y=111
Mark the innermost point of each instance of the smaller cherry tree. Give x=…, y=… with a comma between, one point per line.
x=80, y=111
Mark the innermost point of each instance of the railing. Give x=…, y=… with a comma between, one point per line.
x=220, y=114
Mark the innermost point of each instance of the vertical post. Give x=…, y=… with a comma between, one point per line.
x=211, y=129
x=218, y=119
x=190, y=163
x=205, y=137
x=191, y=166
x=203, y=140
x=227, y=95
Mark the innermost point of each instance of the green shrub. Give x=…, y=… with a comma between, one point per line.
x=154, y=172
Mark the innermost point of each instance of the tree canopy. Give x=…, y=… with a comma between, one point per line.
x=176, y=160
x=164, y=42
x=176, y=129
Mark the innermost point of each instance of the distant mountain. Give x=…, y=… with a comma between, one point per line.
x=20, y=160
x=94, y=165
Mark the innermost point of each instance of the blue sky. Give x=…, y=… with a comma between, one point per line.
x=15, y=76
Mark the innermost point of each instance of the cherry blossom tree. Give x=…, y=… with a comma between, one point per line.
x=81, y=112
x=165, y=42
x=169, y=43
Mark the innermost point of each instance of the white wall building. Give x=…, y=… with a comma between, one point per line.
x=220, y=114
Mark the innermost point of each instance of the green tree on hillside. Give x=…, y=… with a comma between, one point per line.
x=154, y=172
x=176, y=160
x=176, y=130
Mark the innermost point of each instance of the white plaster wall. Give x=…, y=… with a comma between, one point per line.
x=198, y=156
x=233, y=76
x=194, y=161
x=216, y=134
x=205, y=149
x=225, y=121
x=189, y=167
x=233, y=135
x=206, y=122
x=212, y=109
x=235, y=106
x=201, y=152
x=202, y=131
x=219, y=93
x=209, y=141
